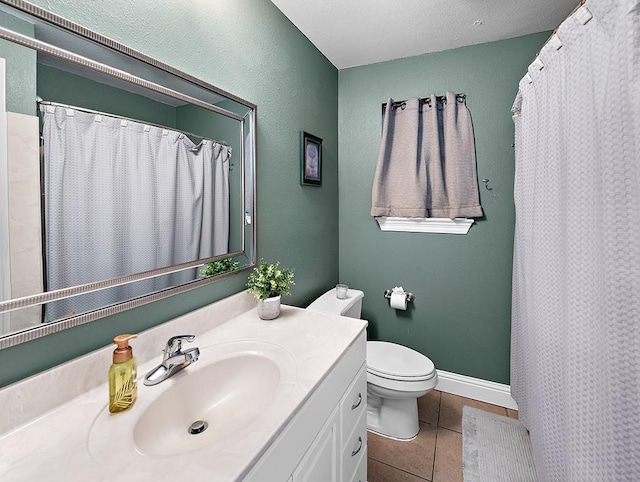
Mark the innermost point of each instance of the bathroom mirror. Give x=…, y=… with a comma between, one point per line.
x=122, y=180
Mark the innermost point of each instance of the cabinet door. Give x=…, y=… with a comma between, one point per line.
x=320, y=463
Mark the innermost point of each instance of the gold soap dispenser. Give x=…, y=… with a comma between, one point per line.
x=123, y=387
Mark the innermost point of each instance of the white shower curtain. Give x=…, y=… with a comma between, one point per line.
x=575, y=369
x=121, y=198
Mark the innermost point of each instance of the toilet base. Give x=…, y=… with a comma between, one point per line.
x=390, y=437
x=396, y=418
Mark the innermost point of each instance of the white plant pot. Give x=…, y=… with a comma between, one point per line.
x=269, y=309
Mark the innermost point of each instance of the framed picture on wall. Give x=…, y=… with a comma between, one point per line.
x=310, y=160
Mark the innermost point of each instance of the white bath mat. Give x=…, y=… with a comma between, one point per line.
x=495, y=448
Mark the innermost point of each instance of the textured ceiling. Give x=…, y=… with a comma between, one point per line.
x=359, y=32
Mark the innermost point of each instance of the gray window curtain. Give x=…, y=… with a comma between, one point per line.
x=123, y=197
x=427, y=162
x=575, y=364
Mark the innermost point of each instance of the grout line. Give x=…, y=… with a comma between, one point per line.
x=435, y=447
x=400, y=470
x=435, y=451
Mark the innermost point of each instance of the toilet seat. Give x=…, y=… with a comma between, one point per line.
x=401, y=378
x=398, y=362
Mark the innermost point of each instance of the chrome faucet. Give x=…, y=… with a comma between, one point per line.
x=173, y=360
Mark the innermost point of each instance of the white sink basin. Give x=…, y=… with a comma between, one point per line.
x=227, y=394
x=229, y=387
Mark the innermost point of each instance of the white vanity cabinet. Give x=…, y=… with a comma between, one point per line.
x=313, y=428
x=326, y=441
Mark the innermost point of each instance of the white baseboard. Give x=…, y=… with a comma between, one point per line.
x=476, y=388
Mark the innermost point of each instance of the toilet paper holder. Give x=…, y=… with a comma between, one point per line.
x=409, y=296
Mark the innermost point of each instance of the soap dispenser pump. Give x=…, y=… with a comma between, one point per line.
x=123, y=387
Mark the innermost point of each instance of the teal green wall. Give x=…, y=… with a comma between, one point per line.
x=249, y=48
x=20, y=64
x=461, y=315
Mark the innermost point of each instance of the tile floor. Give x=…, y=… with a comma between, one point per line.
x=436, y=453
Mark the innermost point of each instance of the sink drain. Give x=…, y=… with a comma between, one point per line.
x=198, y=427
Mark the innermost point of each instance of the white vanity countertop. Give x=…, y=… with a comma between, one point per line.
x=56, y=445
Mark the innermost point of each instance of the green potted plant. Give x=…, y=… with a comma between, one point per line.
x=268, y=283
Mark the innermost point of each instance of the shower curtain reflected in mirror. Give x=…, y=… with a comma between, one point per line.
x=122, y=197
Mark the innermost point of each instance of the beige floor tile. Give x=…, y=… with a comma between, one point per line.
x=451, y=410
x=448, y=462
x=379, y=472
x=512, y=413
x=429, y=407
x=415, y=456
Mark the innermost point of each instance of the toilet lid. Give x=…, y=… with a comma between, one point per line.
x=390, y=360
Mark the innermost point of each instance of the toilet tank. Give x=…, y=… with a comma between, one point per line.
x=351, y=306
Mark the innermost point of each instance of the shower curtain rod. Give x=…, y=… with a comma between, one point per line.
x=39, y=101
x=425, y=100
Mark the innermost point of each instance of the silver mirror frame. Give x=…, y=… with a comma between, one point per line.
x=251, y=117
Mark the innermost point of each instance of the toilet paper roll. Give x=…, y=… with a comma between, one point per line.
x=398, y=300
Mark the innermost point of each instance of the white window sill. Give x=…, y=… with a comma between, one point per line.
x=425, y=225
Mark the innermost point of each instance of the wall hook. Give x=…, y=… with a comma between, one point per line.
x=486, y=184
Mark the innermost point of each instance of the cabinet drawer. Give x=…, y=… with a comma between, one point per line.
x=353, y=404
x=361, y=471
x=355, y=449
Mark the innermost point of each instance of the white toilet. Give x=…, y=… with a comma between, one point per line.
x=396, y=375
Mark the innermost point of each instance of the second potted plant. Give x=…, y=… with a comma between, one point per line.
x=218, y=267
x=268, y=283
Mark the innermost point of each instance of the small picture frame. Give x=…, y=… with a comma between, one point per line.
x=310, y=160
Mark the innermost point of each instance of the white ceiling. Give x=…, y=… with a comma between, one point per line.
x=359, y=32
